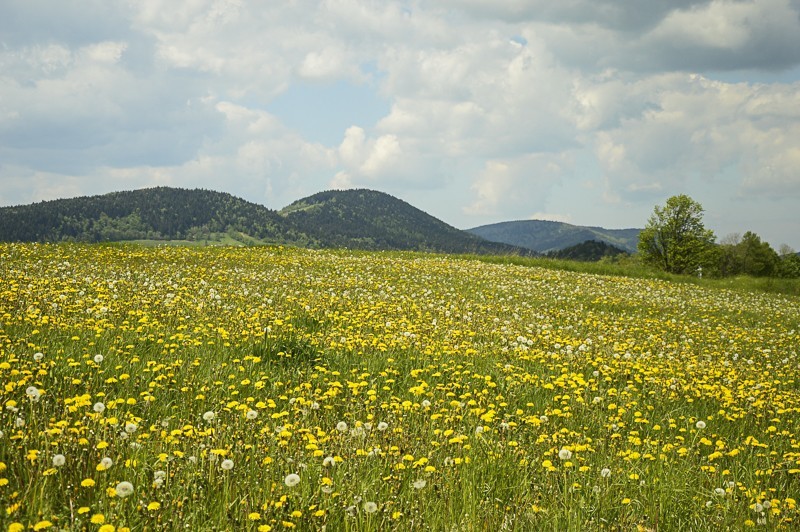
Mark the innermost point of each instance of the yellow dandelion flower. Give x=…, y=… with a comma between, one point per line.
x=154, y=506
x=16, y=527
x=106, y=528
x=98, y=519
x=87, y=482
x=254, y=516
x=42, y=525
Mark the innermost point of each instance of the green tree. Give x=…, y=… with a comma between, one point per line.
x=758, y=258
x=675, y=239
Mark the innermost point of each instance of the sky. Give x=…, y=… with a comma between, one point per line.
x=590, y=112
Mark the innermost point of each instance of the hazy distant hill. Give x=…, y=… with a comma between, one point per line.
x=356, y=219
x=543, y=236
x=367, y=219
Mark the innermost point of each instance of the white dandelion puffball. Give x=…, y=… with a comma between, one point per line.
x=292, y=480
x=370, y=507
x=383, y=426
x=605, y=472
x=160, y=474
x=719, y=491
x=98, y=359
x=700, y=424
x=419, y=484
x=565, y=454
x=426, y=403
x=209, y=416
x=99, y=408
x=59, y=460
x=124, y=489
x=329, y=461
x=227, y=464
x=130, y=428
x=38, y=357
x=251, y=414
x=106, y=462
x=33, y=393
x=341, y=426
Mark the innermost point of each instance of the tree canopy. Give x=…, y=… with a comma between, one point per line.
x=675, y=239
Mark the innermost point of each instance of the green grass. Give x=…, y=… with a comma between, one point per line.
x=452, y=393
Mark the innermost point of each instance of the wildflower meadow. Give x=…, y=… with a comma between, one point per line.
x=272, y=388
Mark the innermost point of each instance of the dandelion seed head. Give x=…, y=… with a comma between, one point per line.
x=38, y=357
x=564, y=454
x=227, y=464
x=292, y=480
x=700, y=425
x=99, y=408
x=370, y=507
x=124, y=489
x=59, y=460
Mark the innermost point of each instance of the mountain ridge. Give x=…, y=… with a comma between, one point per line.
x=543, y=236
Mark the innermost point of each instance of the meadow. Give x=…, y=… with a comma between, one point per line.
x=272, y=388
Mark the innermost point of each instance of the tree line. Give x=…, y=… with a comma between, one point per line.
x=676, y=241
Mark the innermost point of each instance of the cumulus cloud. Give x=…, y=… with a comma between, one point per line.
x=693, y=129
x=495, y=109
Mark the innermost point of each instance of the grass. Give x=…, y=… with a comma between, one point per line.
x=406, y=391
x=632, y=269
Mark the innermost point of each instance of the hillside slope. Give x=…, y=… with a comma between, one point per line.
x=161, y=213
x=355, y=219
x=543, y=236
x=367, y=219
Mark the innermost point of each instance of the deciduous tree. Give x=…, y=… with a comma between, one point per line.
x=675, y=239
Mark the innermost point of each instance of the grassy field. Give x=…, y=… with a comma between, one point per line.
x=222, y=388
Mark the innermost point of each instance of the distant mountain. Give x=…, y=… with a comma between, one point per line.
x=356, y=219
x=589, y=251
x=161, y=213
x=543, y=236
x=367, y=219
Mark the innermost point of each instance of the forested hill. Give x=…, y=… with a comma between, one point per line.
x=161, y=213
x=356, y=219
x=367, y=219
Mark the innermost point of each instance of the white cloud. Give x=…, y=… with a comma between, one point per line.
x=495, y=108
x=520, y=185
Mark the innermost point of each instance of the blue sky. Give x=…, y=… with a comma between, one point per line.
x=588, y=111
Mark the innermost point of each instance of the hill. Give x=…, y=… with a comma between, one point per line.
x=355, y=219
x=161, y=213
x=543, y=236
x=589, y=251
x=371, y=220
